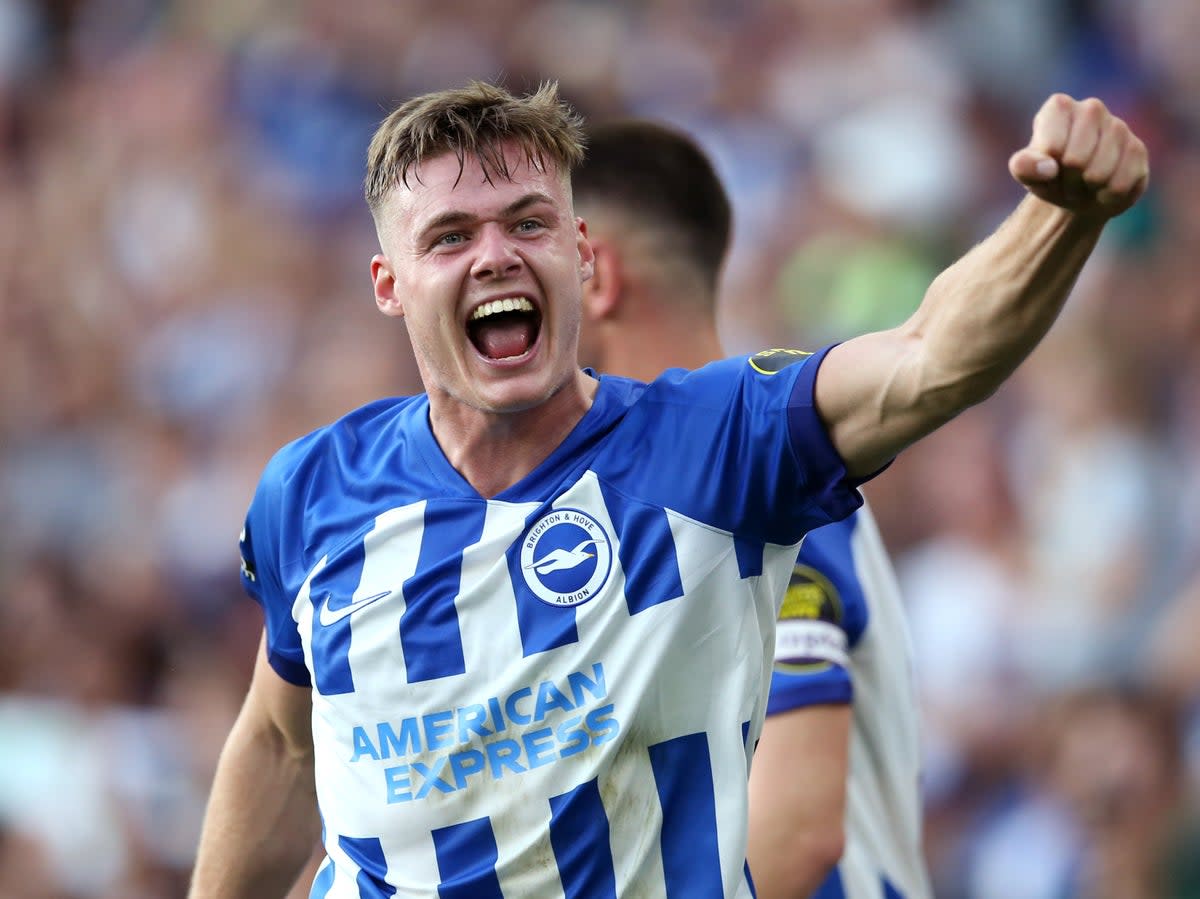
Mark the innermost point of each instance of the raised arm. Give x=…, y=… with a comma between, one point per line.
x=261, y=823
x=984, y=314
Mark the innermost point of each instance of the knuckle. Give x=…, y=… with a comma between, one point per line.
x=1056, y=106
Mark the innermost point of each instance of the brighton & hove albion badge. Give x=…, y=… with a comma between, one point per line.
x=566, y=557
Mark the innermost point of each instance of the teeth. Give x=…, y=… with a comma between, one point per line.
x=508, y=304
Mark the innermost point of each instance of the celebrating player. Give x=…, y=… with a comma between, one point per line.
x=517, y=625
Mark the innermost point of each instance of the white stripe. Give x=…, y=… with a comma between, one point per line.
x=635, y=837
x=731, y=803
x=302, y=613
x=593, y=615
x=389, y=561
x=412, y=864
x=524, y=834
x=486, y=605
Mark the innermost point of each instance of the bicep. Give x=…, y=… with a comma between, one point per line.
x=800, y=766
x=798, y=799
x=870, y=394
x=277, y=708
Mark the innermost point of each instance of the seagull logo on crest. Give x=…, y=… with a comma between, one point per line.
x=564, y=559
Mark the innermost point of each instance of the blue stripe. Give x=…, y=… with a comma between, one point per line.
x=683, y=774
x=367, y=853
x=429, y=632
x=323, y=882
x=466, y=857
x=647, y=551
x=749, y=556
x=831, y=887
x=335, y=584
x=890, y=892
x=579, y=835
x=542, y=625
x=750, y=880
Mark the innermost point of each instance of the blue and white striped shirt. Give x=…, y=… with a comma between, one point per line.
x=556, y=691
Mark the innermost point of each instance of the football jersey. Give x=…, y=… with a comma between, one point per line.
x=843, y=638
x=553, y=692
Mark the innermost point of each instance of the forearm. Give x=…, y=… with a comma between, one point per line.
x=261, y=823
x=978, y=321
x=983, y=315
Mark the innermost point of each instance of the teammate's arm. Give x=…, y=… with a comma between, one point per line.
x=798, y=800
x=982, y=316
x=261, y=822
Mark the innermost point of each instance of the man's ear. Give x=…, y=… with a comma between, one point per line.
x=386, y=298
x=602, y=292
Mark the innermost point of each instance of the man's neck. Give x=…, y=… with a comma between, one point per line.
x=493, y=451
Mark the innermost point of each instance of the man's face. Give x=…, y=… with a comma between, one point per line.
x=488, y=277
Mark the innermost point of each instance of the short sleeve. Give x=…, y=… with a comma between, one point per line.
x=262, y=581
x=821, y=619
x=738, y=444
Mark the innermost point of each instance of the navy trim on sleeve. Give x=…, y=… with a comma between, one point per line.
x=832, y=489
x=289, y=670
x=830, y=687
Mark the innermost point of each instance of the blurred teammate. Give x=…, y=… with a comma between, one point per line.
x=659, y=223
x=516, y=625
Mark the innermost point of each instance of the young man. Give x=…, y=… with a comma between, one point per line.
x=516, y=626
x=659, y=221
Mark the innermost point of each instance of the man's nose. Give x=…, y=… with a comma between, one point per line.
x=496, y=254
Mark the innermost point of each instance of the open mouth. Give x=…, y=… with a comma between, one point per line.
x=504, y=329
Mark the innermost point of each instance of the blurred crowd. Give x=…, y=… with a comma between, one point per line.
x=184, y=287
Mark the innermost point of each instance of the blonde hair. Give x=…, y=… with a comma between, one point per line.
x=474, y=120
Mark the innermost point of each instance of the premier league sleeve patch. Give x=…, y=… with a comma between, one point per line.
x=769, y=362
x=809, y=634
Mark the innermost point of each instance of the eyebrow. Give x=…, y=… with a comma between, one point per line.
x=457, y=217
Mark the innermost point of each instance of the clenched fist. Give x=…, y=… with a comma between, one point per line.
x=1083, y=158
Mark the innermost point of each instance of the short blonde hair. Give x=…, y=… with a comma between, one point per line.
x=474, y=120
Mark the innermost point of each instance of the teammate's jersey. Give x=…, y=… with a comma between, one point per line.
x=843, y=637
x=552, y=692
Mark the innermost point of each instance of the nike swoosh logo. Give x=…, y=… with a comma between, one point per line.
x=330, y=616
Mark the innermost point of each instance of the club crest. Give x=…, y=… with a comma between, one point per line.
x=566, y=557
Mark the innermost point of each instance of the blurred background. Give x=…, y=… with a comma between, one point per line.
x=184, y=287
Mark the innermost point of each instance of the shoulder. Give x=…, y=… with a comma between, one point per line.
x=344, y=441
x=721, y=381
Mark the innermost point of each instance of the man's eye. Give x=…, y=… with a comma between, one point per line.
x=448, y=240
x=529, y=225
